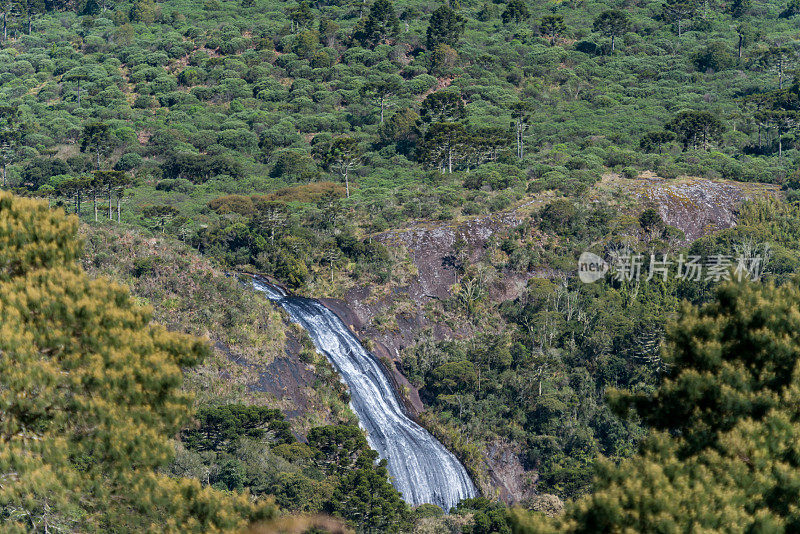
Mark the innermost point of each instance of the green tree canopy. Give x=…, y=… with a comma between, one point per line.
x=445, y=144
x=89, y=395
x=301, y=15
x=363, y=493
x=781, y=58
x=442, y=106
x=694, y=127
x=10, y=134
x=552, y=26
x=343, y=156
x=381, y=90
x=723, y=454
x=713, y=57
x=219, y=427
x=739, y=8
x=516, y=11
x=445, y=27
x=612, y=23
x=678, y=11
x=655, y=141
x=97, y=138
x=159, y=215
x=381, y=24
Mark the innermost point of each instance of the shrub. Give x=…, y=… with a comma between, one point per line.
x=713, y=57
x=128, y=161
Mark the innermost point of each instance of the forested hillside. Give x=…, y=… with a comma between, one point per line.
x=437, y=168
x=196, y=101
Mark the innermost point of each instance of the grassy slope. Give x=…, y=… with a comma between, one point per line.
x=188, y=293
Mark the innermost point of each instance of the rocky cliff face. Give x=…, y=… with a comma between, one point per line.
x=696, y=206
x=432, y=251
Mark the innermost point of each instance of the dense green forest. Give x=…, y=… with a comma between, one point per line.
x=194, y=139
x=194, y=101
x=722, y=455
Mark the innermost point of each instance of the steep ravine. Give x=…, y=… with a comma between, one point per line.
x=696, y=206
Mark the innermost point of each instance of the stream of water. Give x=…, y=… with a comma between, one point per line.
x=422, y=469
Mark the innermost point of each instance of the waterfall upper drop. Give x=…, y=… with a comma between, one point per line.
x=422, y=469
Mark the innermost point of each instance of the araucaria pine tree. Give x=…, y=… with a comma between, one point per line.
x=724, y=451
x=90, y=396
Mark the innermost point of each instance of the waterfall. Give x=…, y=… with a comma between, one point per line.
x=422, y=469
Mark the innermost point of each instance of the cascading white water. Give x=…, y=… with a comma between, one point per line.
x=421, y=468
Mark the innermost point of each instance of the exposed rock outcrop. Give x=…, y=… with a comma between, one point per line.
x=696, y=206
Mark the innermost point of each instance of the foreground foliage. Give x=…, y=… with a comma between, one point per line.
x=90, y=395
x=723, y=455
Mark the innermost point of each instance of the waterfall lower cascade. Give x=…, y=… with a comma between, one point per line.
x=421, y=468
